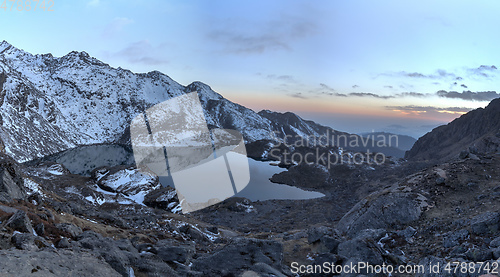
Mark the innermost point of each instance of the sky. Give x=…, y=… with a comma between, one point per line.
x=357, y=66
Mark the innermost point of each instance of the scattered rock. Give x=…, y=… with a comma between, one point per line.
x=454, y=238
x=30, y=242
x=174, y=253
x=314, y=234
x=496, y=253
x=53, y=263
x=485, y=223
x=263, y=269
x=440, y=181
x=479, y=255
x=363, y=249
x=239, y=254
x=40, y=229
x=431, y=262
x=371, y=234
x=464, y=154
x=495, y=243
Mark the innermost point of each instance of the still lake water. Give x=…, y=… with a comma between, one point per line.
x=82, y=160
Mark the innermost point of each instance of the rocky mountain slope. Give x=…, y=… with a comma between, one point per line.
x=476, y=131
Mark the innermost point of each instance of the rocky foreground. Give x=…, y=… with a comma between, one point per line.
x=120, y=222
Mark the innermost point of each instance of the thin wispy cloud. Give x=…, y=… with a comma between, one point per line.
x=298, y=95
x=142, y=52
x=284, y=78
x=483, y=71
x=326, y=87
x=428, y=110
x=439, y=74
x=412, y=94
x=369, y=94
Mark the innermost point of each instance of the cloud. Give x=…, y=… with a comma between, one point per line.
x=397, y=127
x=486, y=71
x=142, y=52
x=412, y=94
x=325, y=89
x=388, y=87
x=275, y=35
x=298, y=95
x=369, y=94
x=115, y=26
x=438, y=74
x=324, y=86
x=418, y=110
x=469, y=95
x=287, y=78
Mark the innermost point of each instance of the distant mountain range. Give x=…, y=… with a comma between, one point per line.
x=49, y=104
x=402, y=142
x=476, y=131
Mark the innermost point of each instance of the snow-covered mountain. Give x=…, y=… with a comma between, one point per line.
x=50, y=104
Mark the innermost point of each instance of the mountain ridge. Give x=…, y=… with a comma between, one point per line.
x=475, y=131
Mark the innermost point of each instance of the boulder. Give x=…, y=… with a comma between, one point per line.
x=25, y=241
x=384, y=209
x=162, y=198
x=11, y=186
x=314, y=234
x=20, y=222
x=126, y=180
x=69, y=228
x=454, y=238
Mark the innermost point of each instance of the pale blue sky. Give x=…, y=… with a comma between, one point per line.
x=354, y=65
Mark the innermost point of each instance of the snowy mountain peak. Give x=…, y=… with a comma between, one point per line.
x=4, y=45
x=50, y=104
